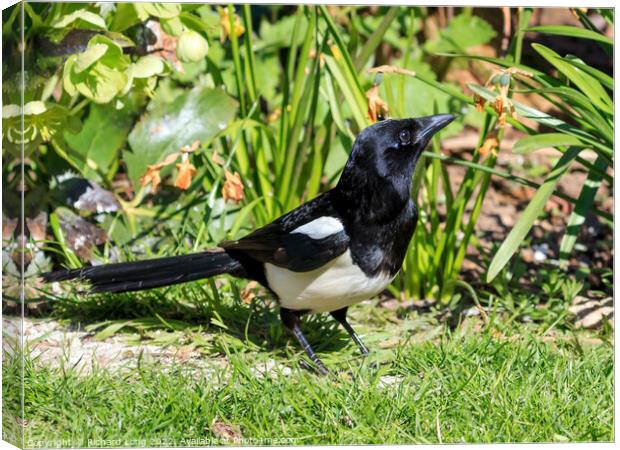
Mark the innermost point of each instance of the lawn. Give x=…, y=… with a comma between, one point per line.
x=428, y=379
x=134, y=131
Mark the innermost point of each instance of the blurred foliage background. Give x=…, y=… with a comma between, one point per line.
x=155, y=129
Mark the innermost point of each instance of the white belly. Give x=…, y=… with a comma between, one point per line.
x=338, y=284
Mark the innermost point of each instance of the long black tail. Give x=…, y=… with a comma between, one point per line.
x=152, y=273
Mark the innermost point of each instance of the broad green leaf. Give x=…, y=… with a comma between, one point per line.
x=67, y=83
x=532, y=211
x=146, y=67
x=566, y=30
x=124, y=17
x=199, y=114
x=588, y=84
x=80, y=19
x=102, y=136
x=356, y=103
x=172, y=26
x=113, y=56
x=582, y=208
x=463, y=32
x=605, y=79
x=278, y=34
x=101, y=84
x=538, y=141
x=161, y=10
x=101, y=75
x=89, y=57
x=112, y=329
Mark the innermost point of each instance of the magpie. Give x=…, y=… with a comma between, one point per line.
x=344, y=246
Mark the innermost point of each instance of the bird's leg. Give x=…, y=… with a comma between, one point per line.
x=291, y=321
x=341, y=316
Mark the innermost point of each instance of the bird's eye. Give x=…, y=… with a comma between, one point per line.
x=404, y=137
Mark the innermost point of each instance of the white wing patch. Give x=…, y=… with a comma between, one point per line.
x=337, y=284
x=320, y=228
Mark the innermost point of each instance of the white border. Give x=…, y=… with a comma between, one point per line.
x=482, y=3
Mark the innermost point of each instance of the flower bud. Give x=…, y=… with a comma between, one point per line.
x=192, y=47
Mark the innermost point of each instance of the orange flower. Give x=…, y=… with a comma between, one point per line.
x=233, y=187
x=186, y=173
x=376, y=106
x=225, y=29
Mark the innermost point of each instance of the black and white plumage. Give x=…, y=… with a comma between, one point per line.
x=338, y=249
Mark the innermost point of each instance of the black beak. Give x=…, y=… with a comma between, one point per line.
x=428, y=126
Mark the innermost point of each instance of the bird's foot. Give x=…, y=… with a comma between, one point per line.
x=319, y=369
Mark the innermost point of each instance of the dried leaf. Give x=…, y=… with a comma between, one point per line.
x=152, y=177
x=8, y=227
x=186, y=173
x=247, y=294
x=376, y=106
x=184, y=353
x=225, y=431
x=391, y=69
x=275, y=115
x=479, y=102
x=233, y=187
x=217, y=159
x=190, y=148
x=152, y=174
x=491, y=144
x=37, y=226
x=225, y=30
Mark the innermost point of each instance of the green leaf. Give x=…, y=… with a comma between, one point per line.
x=605, y=79
x=199, y=114
x=146, y=67
x=102, y=136
x=89, y=57
x=112, y=329
x=566, y=30
x=550, y=121
x=101, y=84
x=538, y=141
x=41, y=123
x=124, y=17
x=278, y=35
x=464, y=31
x=80, y=19
x=99, y=72
x=582, y=208
x=586, y=83
x=531, y=213
x=161, y=10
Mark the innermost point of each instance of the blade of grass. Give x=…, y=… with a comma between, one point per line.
x=582, y=208
x=570, y=31
x=531, y=213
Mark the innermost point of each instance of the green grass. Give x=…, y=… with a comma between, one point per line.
x=424, y=381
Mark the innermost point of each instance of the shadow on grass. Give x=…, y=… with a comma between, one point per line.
x=199, y=307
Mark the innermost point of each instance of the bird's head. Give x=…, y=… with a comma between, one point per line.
x=386, y=153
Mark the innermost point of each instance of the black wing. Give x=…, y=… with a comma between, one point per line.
x=276, y=244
